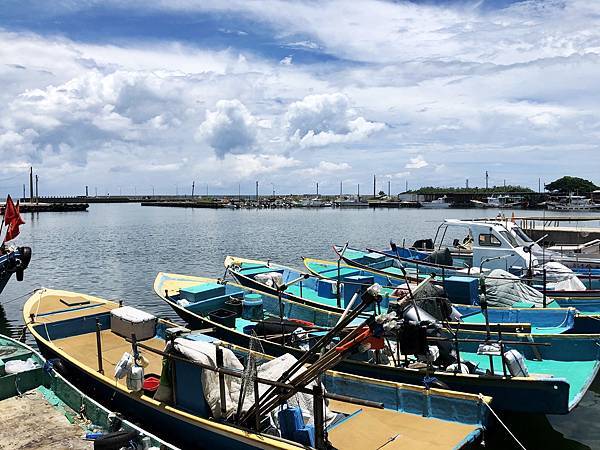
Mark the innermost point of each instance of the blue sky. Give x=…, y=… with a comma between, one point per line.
x=131, y=96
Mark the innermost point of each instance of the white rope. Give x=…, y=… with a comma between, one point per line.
x=502, y=423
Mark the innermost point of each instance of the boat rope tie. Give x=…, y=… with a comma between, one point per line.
x=428, y=381
x=501, y=423
x=48, y=367
x=28, y=294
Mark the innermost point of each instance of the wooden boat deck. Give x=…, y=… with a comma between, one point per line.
x=83, y=348
x=374, y=428
x=59, y=307
x=31, y=421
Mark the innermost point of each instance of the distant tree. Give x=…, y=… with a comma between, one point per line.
x=571, y=184
x=381, y=193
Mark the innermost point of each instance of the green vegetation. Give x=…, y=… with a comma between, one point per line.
x=473, y=190
x=567, y=185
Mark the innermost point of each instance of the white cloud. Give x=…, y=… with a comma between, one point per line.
x=457, y=82
x=250, y=165
x=418, y=162
x=229, y=129
x=321, y=120
x=287, y=61
x=332, y=169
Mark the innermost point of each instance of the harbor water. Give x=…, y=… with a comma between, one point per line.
x=114, y=251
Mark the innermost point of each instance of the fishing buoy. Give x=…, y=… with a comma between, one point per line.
x=142, y=361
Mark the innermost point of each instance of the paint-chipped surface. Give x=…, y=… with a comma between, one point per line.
x=30, y=422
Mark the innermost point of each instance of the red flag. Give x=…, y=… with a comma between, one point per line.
x=10, y=212
x=13, y=214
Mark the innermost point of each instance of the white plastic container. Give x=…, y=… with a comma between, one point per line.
x=516, y=363
x=135, y=378
x=126, y=321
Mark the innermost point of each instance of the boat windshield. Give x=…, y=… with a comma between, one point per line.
x=521, y=236
x=510, y=238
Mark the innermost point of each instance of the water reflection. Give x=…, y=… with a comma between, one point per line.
x=114, y=251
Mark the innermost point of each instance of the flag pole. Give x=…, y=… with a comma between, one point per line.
x=2, y=225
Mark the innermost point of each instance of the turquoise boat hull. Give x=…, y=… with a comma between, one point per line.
x=556, y=389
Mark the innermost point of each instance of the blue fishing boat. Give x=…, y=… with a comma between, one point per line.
x=418, y=265
x=323, y=291
x=40, y=408
x=560, y=369
x=215, y=394
x=509, y=300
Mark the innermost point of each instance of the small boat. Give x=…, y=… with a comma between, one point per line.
x=561, y=368
x=502, y=202
x=385, y=264
x=438, y=203
x=13, y=260
x=573, y=203
x=204, y=394
x=510, y=300
x=40, y=408
x=321, y=291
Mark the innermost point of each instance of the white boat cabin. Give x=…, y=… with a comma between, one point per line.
x=490, y=245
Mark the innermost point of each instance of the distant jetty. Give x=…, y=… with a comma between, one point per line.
x=49, y=207
x=185, y=204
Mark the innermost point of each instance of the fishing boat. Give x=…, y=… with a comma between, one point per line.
x=321, y=291
x=573, y=203
x=508, y=300
x=574, y=257
x=561, y=369
x=438, y=203
x=493, y=243
x=13, y=260
x=40, y=408
x=207, y=397
x=502, y=202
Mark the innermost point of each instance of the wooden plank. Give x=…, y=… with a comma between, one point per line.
x=371, y=428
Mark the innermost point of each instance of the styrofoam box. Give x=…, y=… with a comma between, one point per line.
x=126, y=321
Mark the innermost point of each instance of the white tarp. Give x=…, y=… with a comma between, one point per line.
x=560, y=278
x=271, y=279
x=205, y=353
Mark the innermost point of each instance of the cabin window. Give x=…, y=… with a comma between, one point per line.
x=489, y=240
x=510, y=238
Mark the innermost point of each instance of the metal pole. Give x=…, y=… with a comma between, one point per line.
x=219, y=354
x=99, y=346
x=30, y=184
x=318, y=416
x=256, y=398
x=544, y=285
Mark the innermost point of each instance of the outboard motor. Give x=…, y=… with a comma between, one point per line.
x=423, y=244
x=23, y=261
x=440, y=308
x=431, y=327
x=443, y=257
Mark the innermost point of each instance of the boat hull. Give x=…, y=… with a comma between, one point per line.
x=516, y=394
x=168, y=426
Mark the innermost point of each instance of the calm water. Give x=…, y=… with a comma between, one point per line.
x=115, y=251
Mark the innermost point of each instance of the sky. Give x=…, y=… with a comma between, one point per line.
x=142, y=96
